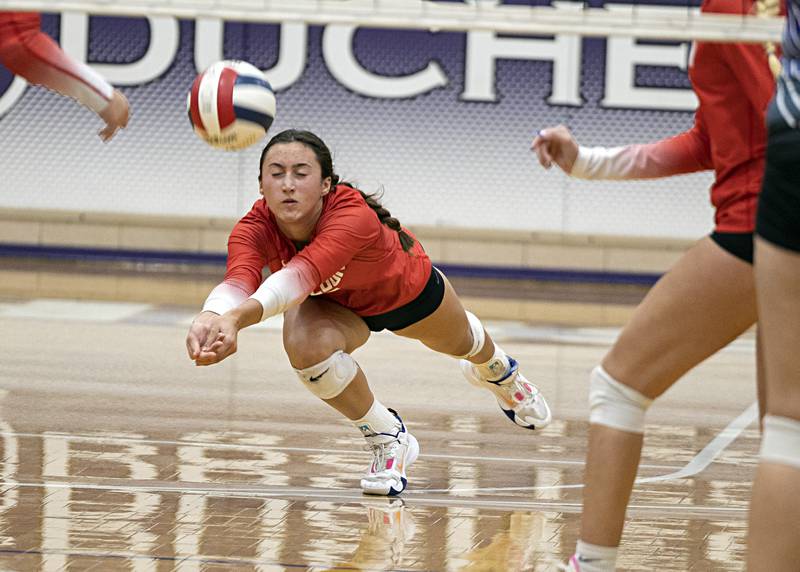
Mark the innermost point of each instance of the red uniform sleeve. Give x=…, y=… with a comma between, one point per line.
x=344, y=231
x=246, y=254
x=26, y=51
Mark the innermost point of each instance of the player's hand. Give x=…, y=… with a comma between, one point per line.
x=220, y=333
x=200, y=334
x=116, y=115
x=556, y=145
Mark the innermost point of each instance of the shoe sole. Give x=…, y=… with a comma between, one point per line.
x=411, y=456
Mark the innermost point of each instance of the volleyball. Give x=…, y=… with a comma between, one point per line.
x=231, y=105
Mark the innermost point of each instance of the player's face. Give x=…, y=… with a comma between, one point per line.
x=292, y=183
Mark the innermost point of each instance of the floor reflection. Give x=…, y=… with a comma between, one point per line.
x=114, y=463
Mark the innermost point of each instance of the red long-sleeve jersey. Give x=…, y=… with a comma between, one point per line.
x=28, y=52
x=733, y=84
x=352, y=258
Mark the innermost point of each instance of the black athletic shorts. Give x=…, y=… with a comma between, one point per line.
x=778, y=219
x=420, y=307
x=740, y=244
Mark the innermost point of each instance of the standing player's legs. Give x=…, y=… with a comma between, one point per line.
x=775, y=504
x=319, y=336
x=702, y=304
x=452, y=330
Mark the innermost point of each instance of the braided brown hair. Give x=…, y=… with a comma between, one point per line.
x=323, y=155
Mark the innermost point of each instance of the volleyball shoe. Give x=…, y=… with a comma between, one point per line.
x=392, y=454
x=520, y=400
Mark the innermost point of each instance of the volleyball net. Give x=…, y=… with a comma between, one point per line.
x=434, y=101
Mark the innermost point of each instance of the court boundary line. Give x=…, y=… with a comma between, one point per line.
x=697, y=464
x=355, y=495
x=253, y=447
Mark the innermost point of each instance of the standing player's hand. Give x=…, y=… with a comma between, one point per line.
x=116, y=115
x=556, y=145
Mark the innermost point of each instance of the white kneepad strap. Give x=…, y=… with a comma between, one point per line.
x=614, y=404
x=781, y=441
x=330, y=377
x=478, y=335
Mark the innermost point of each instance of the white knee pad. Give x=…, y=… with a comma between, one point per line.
x=614, y=404
x=781, y=441
x=330, y=377
x=478, y=335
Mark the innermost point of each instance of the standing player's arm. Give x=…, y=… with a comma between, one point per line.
x=685, y=153
x=28, y=52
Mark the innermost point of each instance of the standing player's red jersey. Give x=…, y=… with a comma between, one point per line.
x=734, y=84
x=28, y=52
x=354, y=259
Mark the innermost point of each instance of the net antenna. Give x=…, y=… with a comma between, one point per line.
x=563, y=17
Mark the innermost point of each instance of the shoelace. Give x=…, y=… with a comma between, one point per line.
x=381, y=452
x=520, y=385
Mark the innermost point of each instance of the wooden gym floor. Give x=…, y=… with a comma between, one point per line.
x=119, y=454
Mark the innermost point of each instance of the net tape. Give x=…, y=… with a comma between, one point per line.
x=564, y=17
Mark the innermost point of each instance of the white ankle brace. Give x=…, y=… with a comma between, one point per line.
x=378, y=420
x=496, y=368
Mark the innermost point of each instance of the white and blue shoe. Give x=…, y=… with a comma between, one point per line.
x=392, y=454
x=520, y=400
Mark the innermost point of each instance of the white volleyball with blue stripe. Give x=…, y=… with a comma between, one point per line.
x=231, y=105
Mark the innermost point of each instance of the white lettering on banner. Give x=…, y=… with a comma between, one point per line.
x=293, y=50
x=622, y=57
x=485, y=48
x=161, y=51
x=331, y=284
x=337, y=49
x=12, y=94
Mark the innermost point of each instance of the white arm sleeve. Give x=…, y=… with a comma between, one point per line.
x=603, y=163
x=224, y=297
x=282, y=290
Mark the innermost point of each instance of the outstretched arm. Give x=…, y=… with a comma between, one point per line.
x=213, y=337
x=26, y=51
x=685, y=153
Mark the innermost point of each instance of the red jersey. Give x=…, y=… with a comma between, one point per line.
x=26, y=51
x=354, y=259
x=733, y=84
